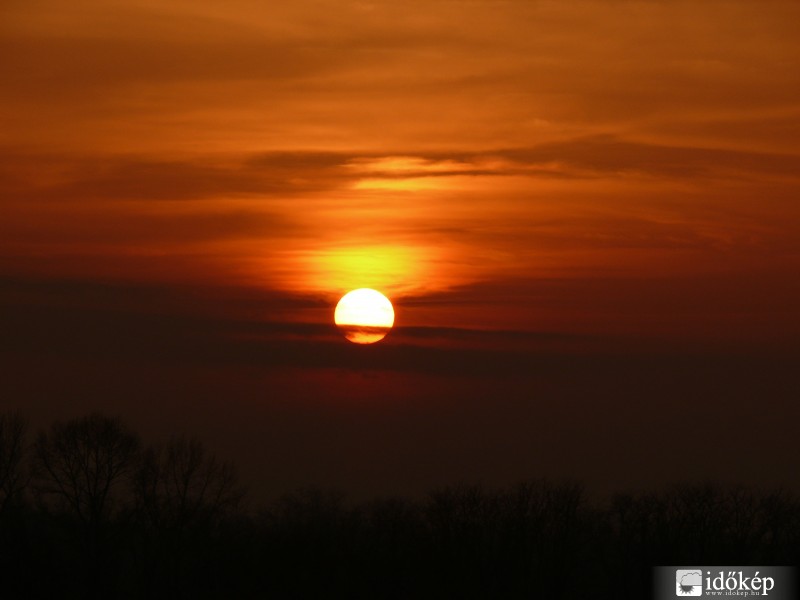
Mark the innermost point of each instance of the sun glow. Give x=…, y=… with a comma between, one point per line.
x=396, y=269
x=364, y=315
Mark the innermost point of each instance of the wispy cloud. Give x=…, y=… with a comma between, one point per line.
x=317, y=145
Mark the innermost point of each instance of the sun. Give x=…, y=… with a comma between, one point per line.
x=365, y=316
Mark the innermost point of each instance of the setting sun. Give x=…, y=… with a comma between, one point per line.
x=365, y=316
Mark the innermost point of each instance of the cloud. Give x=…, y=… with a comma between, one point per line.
x=458, y=75
x=79, y=177
x=694, y=578
x=286, y=145
x=608, y=154
x=39, y=175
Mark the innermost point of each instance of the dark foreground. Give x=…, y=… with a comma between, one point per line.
x=87, y=512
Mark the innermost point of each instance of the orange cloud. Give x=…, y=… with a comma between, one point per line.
x=316, y=146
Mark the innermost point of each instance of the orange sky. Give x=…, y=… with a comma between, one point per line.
x=591, y=166
x=586, y=213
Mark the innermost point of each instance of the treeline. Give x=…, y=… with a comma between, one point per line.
x=88, y=511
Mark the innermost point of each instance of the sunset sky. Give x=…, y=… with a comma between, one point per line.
x=587, y=216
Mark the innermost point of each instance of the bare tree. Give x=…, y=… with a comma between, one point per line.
x=181, y=485
x=182, y=492
x=13, y=479
x=81, y=464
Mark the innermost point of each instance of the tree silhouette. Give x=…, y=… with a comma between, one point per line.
x=81, y=469
x=182, y=492
x=82, y=463
x=182, y=485
x=116, y=521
